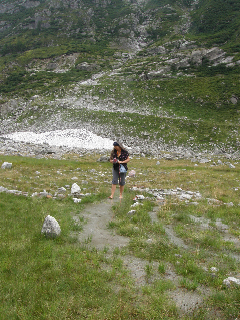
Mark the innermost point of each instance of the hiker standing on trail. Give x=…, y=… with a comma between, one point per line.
x=119, y=158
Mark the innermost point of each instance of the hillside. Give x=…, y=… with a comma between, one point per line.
x=162, y=75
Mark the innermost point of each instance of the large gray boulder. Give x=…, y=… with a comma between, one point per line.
x=51, y=227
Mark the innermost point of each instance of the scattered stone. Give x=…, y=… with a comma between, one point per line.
x=6, y=165
x=103, y=159
x=214, y=269
x=75, y=189
x=51, y=227
x=44, y=193
x=16, y=192
x=194, y=203
x=139, y=197
x=2, y=189
x=132, y=173
x=214, y=202
x=168, y=157
x=62, y=190
x=203, y=160
x=228, y=281
x=231, y=166
x=76, y=200
x=131, y=212
x=136, y=204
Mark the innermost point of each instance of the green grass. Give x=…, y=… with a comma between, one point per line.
x=61, y=279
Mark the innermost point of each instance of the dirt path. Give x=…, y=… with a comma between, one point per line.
x=96, y=232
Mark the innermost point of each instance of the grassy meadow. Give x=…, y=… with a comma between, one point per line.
x=61, y=279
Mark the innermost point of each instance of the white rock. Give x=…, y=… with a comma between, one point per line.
x=136, y=204
x=229, y=204
x=76, y=200
x=75, y=188
x=230, y=280
x=51, y=227
x=139, y=197
x=6, y=165
x=35, y=194
x=134, y=188
x=132, y=173
x=131, y=212
x=2, y=189
x=62, y=190
x=214, y=269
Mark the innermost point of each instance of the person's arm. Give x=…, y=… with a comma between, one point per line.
x=112, y=156
x=125, y=161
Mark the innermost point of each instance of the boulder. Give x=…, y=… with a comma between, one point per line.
x=228, y=281
x=51, y=227
x=103, y=159
x=6, y=165
x=75, y=189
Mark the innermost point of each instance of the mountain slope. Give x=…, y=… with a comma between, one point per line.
x=171, y=66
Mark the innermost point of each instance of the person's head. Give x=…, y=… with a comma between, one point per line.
x=116, y=146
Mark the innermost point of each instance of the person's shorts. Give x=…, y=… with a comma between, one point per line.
x=118, y=180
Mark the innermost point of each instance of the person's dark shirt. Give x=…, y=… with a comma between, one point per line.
x=123, y=156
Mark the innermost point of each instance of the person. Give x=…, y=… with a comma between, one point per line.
x=118, y=156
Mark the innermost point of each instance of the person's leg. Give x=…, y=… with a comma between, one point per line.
x=114, y=182
x=121, y=191
x=122, y=184
x=113, y=191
